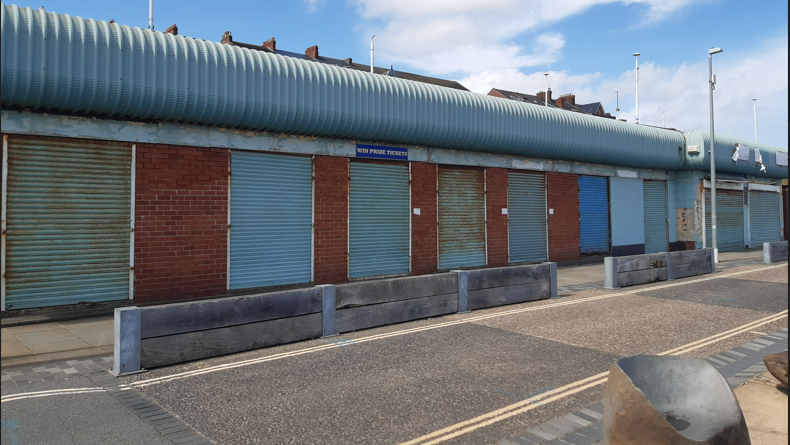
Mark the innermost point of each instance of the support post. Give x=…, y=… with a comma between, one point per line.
x=463, y=290
x=329, y=313
x=610, y=273
x=712, y=255
x=553, y=278
x=669, y=266
x=767, y=253
x=126, y=347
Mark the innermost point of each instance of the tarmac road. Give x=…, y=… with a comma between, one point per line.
x=394, y=384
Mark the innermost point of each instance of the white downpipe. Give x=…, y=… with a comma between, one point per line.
x=4, y=216
x=131, y=222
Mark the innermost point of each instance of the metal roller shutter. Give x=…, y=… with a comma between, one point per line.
x=68, y=221
x=271, y=220
x=729, y=205
x=594, y=214
x=462, y=233
x=379, y=220
x=656, y=217
x=765, y=210
x=526, y=202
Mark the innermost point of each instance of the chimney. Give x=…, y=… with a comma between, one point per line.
x=226, y=38
x=270, y=44
x=349, y=61
x=172, y=30
x=549, y=93
x=569, y=98
x=312, y=52
x=542, y=95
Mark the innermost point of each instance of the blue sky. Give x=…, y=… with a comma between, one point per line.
x=586, y=45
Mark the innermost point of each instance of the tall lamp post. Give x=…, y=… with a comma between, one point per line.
x=617, y=110
x=713, y=221
x=754, y=100
x=636, y=56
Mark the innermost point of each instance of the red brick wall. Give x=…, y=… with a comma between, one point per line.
x=785, y=209
x=563, y=197
x=496, y=200
x=331, y=219
x=424, y=253
x=181, y=205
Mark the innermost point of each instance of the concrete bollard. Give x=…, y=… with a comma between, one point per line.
x=328, y=310
x=553, y=280
x=126, y=347
x=610, y=273
x=463, y=290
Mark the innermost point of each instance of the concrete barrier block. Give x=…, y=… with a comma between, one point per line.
x=554, y=293
x=126, y=347
x=775, y=252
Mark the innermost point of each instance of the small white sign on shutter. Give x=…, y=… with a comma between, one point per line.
x=781, y=159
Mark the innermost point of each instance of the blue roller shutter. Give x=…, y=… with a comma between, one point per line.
x=594, y=214
x=379, y=220
x=765, y=210
x=462, y=234
x=656, y=224
x=68, y=221
x=729, y=211
x=526, y=202
x=271, y=220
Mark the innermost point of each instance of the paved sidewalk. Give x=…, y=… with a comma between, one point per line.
x=56, y=342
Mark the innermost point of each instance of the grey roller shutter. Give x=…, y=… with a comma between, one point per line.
x=729, y=211
x=656, y=224
x=378, y=220
x=526, y=202
x=68, y=221
x=462, y=234
x=765, y=212
x=271, y=220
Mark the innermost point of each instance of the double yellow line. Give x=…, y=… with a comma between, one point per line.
x=515, y=409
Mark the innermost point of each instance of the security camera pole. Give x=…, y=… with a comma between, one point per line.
x=712, y=86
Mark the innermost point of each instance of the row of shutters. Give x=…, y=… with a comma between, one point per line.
x=765, y=214
x=69, y=219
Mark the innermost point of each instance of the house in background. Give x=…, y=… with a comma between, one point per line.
x=565, y=102
x=311, y=55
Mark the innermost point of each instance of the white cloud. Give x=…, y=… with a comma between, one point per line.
x=466, y=36
x=314, y=5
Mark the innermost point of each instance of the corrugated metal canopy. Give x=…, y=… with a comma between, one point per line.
x=69, y=64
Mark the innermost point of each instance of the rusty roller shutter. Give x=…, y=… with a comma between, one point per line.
x=462, y=233
x=68, y=221
x=729, y=209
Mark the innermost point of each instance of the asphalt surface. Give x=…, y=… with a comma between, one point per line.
x=78, y=419
x=400, y=387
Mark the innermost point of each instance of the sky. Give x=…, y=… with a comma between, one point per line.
x=586, y=46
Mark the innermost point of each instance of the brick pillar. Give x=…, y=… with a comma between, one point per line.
x=181, y=222
x=496, y=200
x=331, y=219
x=564, y=234
x=424, y=235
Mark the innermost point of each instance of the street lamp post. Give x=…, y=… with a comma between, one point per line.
x=636, y=56
x=617, y=110
x=754, y=100
x=713, y=221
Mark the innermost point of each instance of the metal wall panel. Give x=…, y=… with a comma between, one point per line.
x=627, y=211
x=594, y=214
x=656, y=216
x=69, y=64
x=729, y=209
x=68, y=227
x=462, y=222
x=271, y=219
x=766, y=217
x=378, y=220
x=526, y=203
